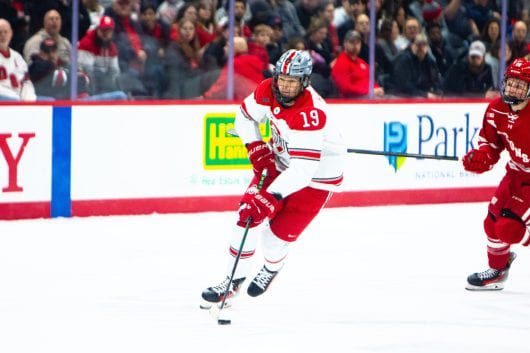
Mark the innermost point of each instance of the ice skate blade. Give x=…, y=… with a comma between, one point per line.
x=206, y=305
x=487, y=287
x=222, y=316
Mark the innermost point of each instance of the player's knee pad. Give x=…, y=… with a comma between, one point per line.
x=489, y=225
x=509, y=228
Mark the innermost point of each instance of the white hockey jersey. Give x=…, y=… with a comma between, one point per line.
x=14, y=79
x=306, y=142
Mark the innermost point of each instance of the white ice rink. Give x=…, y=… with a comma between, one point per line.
x=374, y=279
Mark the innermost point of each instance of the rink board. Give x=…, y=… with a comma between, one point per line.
x=84, y=160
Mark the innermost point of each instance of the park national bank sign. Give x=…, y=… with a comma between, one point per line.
x=222, y=150
x=429, y=135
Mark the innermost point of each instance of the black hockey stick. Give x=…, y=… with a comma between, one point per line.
x=403, y=154
x=232, y=132
x=223, y=320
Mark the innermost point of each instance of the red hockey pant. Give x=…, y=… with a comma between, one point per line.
x=508, y=217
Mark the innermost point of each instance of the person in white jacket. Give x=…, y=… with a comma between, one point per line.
x=14, y=78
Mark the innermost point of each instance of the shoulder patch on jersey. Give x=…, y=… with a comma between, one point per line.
x=497, y=104
x=263, y=93
x=308, y=118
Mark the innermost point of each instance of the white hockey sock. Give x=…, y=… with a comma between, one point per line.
x=245, y=261
x=274, y=250
x=497, y=247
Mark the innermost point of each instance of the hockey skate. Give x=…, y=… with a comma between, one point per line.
x=491, y=279
x=261, y=282
x=214, y=295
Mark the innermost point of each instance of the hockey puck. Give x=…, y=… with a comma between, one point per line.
x=224, y=322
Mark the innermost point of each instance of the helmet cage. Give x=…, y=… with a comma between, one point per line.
x=519, y=69
x=293, y=63
x=513, y=100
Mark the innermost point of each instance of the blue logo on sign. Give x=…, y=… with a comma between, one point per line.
x=395, y=141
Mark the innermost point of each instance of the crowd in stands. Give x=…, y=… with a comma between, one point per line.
x=177, y=49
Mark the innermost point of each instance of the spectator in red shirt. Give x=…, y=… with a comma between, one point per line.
x=247, y=74
x=350, y=72
x=206, y=25
x=98, y=58
x=188, y=11
x=261, y=37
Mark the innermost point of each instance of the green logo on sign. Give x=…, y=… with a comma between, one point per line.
x=221, y=150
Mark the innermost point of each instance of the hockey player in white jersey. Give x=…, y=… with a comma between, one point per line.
x=303, y=163
x=14, y=79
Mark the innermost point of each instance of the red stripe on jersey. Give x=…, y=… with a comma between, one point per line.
x=305, y=154
x=245, y=112
x=330, y=181
x=287, y=63
x=244, y=254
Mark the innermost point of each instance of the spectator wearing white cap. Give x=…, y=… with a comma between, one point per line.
x=471, y=76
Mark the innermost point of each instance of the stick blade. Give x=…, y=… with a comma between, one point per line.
x=223, y=316
x=224, y=322
x=232, y=132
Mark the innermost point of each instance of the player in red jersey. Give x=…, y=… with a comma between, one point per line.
x=506, y=126
x=303, y=163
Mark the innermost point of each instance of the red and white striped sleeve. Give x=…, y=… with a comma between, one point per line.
x=488, y=135
x=253, y=111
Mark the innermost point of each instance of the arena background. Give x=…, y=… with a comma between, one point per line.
x=161, y=157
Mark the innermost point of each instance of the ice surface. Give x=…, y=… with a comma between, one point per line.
x=373, y=279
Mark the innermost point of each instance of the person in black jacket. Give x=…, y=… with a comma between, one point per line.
x=415, y=72
x=18, y=22
x=155, y=39
x=50, y=76
x=471, y=76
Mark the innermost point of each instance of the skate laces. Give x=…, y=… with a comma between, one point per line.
x=221, y=288
x=263, y=278
x=488, y=274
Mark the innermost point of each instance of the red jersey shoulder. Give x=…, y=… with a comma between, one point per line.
x=307, y=118
x=263, y=93
x=498, y=105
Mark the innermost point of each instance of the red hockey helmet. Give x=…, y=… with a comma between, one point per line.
x=519, y=69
